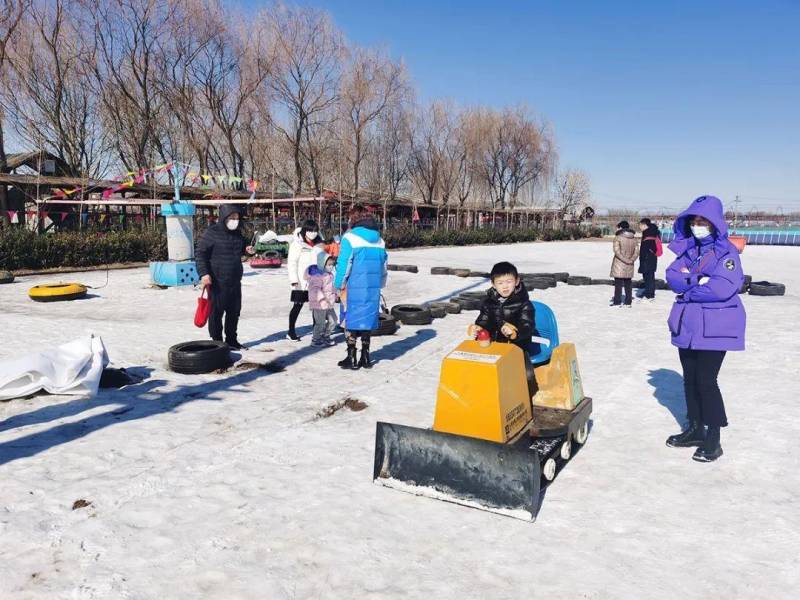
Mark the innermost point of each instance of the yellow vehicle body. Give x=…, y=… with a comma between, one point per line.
x=559, y=380
x=483, y=392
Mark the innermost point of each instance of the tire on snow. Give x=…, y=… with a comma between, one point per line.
x=387, y=325
x=440, y=270
x=602, y=282
x=438, y=309
x=412, y=314
x=468, y=303
x=767, y=288
x=6, y=277
x=460, y=272
x=452, y=308
x=579, y=280
x=748, y=279
x=201, y=356
x=408, y=268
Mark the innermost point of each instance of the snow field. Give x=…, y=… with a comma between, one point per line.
x=230, y=485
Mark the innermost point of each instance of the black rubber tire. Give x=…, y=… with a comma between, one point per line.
x=412, y=314
x=561, y=277
x=579, y=280
x=748, y=279
x=602, y=282
x=6, y=277
x=440, y=270
x=452, y=308
x=661, y=284
x=481, y=274
x=408, y=268
x=468, y=303
x=539, y=284
x=478, y=295
x=387, y=325
x=392, y=267
x=438, y=309
x=460, y=272
x=537, y=275
x=767, y=288
x=201, y=356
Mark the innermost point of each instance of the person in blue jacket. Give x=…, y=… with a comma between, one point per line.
x=707, y=319
x=360, y=276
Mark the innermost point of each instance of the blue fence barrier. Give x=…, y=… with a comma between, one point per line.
x=754, y=238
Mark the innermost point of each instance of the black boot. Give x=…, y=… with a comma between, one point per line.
x=351, y=362
x=364, y=362
x=693, y=436
x=711, y=449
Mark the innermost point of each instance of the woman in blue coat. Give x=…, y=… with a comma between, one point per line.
x=707, y=319
x=360, y=276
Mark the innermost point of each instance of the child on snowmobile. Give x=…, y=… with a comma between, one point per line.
x=507, y=314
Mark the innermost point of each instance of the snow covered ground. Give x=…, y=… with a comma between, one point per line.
x=229, y=486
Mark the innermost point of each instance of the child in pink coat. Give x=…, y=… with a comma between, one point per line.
x=322, y=299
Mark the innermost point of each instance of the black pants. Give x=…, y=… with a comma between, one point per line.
x=649, y=279
x=618, y=283
x=226, y=299
x=293, y=314
x=703, y=398
x=351, y=337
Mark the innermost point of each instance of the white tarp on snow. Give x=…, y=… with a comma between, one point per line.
x=73, y=368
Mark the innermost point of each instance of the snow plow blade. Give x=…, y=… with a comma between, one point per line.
x=499, y=478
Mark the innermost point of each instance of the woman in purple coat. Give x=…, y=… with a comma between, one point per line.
x=707, y=319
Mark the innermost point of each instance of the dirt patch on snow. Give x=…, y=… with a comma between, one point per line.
x=354, y=404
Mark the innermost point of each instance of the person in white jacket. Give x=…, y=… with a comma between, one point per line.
x=303, y=253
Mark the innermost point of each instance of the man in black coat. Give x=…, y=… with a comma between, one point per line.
x=648, y=259
x=219, y=264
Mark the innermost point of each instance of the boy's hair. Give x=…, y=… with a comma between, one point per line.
x=645, y=221
x=503, y=268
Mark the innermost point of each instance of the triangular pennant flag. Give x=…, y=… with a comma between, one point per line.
x=63, y=216
x=12, y=216
x=43, y=215
x=139, y=218
x=206, y=177
x=107, y=193
x=102, y=217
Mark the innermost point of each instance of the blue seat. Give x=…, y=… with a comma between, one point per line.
x=545, y=327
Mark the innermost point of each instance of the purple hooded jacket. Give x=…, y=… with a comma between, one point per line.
x=707, y=315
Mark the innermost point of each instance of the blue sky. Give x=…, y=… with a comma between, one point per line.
x=658, y=101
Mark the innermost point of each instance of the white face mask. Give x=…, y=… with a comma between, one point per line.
x=232, y=224
x=312, y=235
x=329, y=268
x=700, y=231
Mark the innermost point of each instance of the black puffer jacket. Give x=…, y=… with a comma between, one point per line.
x=219, y=251
x=648, y=261
x=516, y=310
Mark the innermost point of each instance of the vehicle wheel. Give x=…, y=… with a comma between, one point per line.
x=440, y=270
x=6, y=277
x=767, y=288
x=549, y=469
x=582, y=434
x=452, y=308
x=579, y=280
x=566, y=450
x=460, y=272
x=199, y=357
x=387, y=325
x=438, y=309
x=412, y=314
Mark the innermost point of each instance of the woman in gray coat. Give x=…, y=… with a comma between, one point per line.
x=626, y=251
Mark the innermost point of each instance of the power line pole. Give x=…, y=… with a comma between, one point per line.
x=736, y=212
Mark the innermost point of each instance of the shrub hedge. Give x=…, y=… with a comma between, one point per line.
x=21, y=249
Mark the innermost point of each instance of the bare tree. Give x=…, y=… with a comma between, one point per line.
x=307, y=67
x=372, y=82
x=55, y=106
x=428, y=143
x=572, y=192
x=11, y=12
